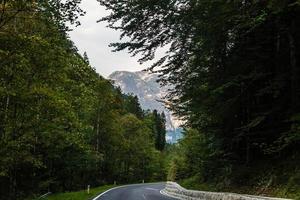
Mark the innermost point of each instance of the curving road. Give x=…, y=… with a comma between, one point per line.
x=149, y=191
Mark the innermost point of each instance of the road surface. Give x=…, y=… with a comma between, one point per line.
x=135, y=192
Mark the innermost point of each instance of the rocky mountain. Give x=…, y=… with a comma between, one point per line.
x=145, y=86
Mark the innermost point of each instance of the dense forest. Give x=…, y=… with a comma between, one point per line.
x=63, y=126
x=236, y=75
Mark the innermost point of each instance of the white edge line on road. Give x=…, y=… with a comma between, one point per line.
x=152, y=189
x=108, y=191
x=118, y=188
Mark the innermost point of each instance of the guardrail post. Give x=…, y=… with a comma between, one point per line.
x=88, y=189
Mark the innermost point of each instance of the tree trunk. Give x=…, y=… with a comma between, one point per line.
x=294, y=68
x=6, y=107
x=97, y=133
x=247, y=150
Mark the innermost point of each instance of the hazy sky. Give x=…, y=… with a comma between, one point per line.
x=94, y=38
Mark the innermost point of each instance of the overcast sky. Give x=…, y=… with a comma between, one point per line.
x=94, y=38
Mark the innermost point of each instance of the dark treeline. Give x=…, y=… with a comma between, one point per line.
x=62, y=126
x=235, y=67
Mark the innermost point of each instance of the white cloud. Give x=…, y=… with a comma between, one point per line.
x=94, y=38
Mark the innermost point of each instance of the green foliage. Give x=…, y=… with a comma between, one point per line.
x=157, y=123
x=193, y=183
x=81, y=195
x=235, y=68
x=62, y=126
x=133, y=106
x=198, y=156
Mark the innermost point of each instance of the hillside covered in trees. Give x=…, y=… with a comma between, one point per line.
x=236, y=75
x=235, y=70
x=63, y=126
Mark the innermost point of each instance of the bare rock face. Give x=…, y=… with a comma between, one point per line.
x=145, y=86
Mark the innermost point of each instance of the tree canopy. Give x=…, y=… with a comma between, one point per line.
x=62, y=125
x=234, y=67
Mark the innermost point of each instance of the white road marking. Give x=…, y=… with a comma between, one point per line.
x=152, y=189
x=102, y=194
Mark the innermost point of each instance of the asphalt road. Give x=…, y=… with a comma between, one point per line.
x=135, y=192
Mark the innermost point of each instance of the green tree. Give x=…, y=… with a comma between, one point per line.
x=133, y=106
x=233, y=67
x=157, y=123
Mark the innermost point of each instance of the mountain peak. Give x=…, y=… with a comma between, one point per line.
x=144, y=84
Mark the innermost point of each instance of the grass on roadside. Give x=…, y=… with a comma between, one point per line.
x=80, y=195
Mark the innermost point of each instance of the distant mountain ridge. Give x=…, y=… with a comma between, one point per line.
x=145, y=86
